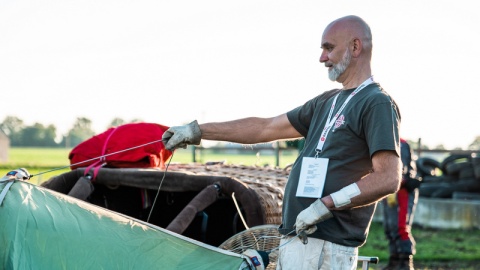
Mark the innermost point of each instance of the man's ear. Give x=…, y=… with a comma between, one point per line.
x=357, y=47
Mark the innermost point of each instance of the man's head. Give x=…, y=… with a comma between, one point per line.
x=347, y=49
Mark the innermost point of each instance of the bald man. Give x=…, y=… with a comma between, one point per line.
x=350, y=160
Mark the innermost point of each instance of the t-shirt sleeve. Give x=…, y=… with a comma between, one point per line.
x=298, y=118
x=301, y=117
x=382, y=124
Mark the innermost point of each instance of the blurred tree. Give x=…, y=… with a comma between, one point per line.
x=137, y=120
x=116, y=122
x=414, y=145
x=38, y=136
x=81, y=131
x=475, y=145
x=12, y=126
x=119, y=121
x=440, y=147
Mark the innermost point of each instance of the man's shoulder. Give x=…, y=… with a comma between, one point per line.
x=375, y=91
x=376, y=88
x=328, y=94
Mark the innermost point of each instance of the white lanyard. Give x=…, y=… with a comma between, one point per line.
x=330, y=122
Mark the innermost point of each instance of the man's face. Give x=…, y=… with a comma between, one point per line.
x=337, y=69
x=335, y=52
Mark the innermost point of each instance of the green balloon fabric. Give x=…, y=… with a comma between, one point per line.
x=43, y=229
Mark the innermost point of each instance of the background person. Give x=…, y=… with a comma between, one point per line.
x=349, y=162
x=398, y=210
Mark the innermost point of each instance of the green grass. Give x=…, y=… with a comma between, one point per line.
x=44, y=163
x=435, y=248
x=38, y=161
x=253, y=158
x=56, y=157
x=37, y=157
x=431, y=243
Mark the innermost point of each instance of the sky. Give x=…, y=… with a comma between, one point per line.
x=174, y=61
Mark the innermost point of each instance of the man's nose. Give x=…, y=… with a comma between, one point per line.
x=323, y=58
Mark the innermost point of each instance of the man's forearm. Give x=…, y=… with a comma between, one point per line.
x=250, y=130
x=246, y=130
x=384, y=180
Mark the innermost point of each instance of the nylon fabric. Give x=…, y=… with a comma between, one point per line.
x=43, y=229
x=121, y=138
x=402, y=197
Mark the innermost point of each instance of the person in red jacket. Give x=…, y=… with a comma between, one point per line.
x=398, y=210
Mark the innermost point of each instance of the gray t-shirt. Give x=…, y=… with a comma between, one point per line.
x=369, y=123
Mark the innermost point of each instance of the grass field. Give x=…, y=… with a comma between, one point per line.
x=436, y=249
x=37, y=160
x=40, y=161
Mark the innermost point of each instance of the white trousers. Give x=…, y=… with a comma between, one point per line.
x=315, y=255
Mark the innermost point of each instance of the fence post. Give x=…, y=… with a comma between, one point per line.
x=419, y=147
x=277, y=154
x=194, y=158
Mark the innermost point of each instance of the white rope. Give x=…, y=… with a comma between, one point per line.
x=5, y=190
x=239, y=212
x=159, y=186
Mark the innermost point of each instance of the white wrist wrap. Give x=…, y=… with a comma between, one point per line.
x=343, y=196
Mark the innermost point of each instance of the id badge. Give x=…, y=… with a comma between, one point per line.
x=312, y=177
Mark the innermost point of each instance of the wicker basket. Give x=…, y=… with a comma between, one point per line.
x=268, y=183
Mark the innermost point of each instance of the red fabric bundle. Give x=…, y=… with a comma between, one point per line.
x=126, y=140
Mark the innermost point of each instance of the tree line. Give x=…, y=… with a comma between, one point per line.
x=39, y=135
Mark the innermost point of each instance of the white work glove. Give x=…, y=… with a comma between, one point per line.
x=313, y=214
x=181, y=136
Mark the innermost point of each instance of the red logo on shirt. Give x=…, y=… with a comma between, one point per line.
x=340, y=121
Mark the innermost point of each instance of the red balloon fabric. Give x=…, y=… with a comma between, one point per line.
x=138, y=145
